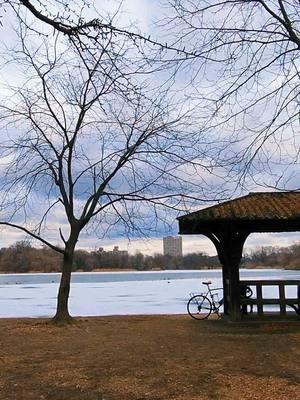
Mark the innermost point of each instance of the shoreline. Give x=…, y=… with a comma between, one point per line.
x=111, y=270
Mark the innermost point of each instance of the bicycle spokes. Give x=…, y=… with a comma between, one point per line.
x=199, y=307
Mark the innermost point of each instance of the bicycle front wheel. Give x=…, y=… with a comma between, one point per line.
x=199, y=307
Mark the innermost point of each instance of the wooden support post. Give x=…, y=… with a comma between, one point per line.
x=282, y=299
x=243, y=295
x=229, y=243
x=226, y=290
x=234, y=293
x=259, y=299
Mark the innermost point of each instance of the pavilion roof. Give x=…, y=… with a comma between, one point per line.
x=257, y=206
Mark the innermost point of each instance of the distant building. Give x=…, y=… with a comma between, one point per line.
x=172, y=246
x=114, y=252
x=121, y=253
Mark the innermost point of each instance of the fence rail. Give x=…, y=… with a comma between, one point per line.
x=281, y=300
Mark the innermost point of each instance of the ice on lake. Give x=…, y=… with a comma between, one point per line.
x=117, y=293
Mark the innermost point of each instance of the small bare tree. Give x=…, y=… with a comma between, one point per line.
x=90, y=140
x=245, y=71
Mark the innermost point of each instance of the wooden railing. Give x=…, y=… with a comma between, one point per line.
x=285, y=304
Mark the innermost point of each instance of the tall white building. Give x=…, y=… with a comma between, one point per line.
x=172, y=246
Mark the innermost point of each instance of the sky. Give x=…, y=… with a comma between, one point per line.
x=142, y=13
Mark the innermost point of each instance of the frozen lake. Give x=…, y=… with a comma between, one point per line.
x=114, y=293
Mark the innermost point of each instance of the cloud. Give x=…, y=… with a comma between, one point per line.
x=143, y=12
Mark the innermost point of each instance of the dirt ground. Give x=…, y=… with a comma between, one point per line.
x=149, y=358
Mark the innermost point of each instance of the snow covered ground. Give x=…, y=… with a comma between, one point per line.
x=124, y=293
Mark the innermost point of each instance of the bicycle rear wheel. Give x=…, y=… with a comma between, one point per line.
x=199, y=307
x=249, y=292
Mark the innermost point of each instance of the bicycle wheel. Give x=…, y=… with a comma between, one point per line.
x=249, y=292
x=199, y=307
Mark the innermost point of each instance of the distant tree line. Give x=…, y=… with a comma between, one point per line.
x=276, y=257
x=22, y=257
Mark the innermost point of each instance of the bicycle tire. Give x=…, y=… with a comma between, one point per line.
x=249, y=292
x=199, y=307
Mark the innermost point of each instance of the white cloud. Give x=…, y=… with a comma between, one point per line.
x=141, y=12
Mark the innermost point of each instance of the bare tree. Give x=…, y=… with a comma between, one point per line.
x=63, y=16
x=245, y=71
x=70, y=18
x=241, y=56
x=91, y=140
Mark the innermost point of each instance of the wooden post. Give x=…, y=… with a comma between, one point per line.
x=282, y=299
x=229, y=243
x=226, y=285
x=234, y=293
x=243, y=295
x=259, y=300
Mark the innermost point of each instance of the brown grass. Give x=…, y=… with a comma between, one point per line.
x=148, y=358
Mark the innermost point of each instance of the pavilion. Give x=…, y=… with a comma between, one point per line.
x=229, y=224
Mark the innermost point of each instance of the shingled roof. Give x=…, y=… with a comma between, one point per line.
x=262, y=206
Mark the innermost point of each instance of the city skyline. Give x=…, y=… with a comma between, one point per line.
x=150, y=246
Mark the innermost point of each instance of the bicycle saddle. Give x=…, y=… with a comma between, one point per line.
x=207, y=283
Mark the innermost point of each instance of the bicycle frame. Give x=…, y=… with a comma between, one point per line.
x=216, y=304
x=211, y=296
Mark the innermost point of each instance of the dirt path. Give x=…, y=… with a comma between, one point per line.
x=148, y=358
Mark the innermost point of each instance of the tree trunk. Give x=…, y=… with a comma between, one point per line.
x=62, y=311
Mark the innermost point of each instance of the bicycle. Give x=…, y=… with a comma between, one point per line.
x=200, y=306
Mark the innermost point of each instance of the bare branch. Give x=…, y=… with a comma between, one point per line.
x=32, y=234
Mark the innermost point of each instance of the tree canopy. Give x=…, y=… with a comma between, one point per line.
x=245, y=74
x=94, y=138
